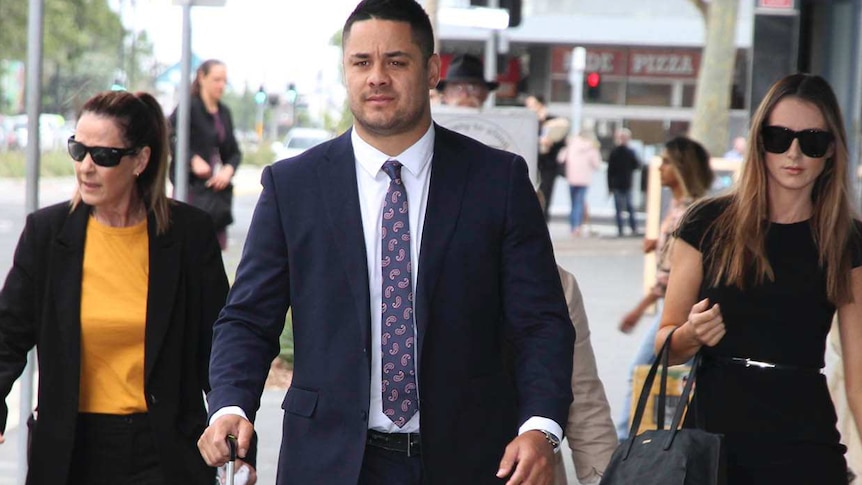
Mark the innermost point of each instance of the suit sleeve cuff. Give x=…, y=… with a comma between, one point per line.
x=231, y=410
x=534, y=423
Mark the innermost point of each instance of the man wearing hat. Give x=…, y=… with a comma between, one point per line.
x=465, y=83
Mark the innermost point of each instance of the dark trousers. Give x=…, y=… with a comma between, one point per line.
x=384, y=467
x=547, y=177
x=115, y=450
x=623, y=202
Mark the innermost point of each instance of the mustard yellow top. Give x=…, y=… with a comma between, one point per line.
x=114, y=289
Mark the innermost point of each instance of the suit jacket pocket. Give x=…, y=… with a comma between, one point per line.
x=299, y=401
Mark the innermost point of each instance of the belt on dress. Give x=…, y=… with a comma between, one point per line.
x=401, y=442
x=759, y=364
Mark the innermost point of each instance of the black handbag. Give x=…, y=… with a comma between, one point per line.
x=672, y=456
x=218, y=204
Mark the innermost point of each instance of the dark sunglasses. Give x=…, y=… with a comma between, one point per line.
x=102, y=156
x=813, y=143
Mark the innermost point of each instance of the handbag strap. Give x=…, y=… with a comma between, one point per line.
x=662, y=394
x=683, y=401
x=645, y=390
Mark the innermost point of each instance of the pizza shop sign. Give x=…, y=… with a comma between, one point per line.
x=670, y=64
x=633, y=62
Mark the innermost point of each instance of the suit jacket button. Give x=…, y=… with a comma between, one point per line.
x=153, y=399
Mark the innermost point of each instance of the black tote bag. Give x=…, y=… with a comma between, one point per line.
x=670, y=456
x=218, y=204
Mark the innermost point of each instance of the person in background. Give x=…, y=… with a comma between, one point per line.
x=118, y=290
x=580, y=158
x=465, y=84
x=758, y=275
x=737, y=151
x=589, y=430
x=400, y=284
x=622, y=162
x=213, y=148
x=552, y=139
x=685, y=170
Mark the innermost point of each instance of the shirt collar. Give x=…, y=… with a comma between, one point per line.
x=414, y=158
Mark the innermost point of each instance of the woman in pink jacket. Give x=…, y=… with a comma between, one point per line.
x=581, y=158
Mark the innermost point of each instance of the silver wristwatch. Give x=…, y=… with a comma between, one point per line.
x=552, y=439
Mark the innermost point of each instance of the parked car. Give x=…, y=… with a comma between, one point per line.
x=298, y=140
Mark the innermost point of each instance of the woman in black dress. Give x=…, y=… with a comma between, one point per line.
x=758, y=275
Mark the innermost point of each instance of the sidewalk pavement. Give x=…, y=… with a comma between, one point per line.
x=609, y=272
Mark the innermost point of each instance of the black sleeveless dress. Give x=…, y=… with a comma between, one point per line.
x=779, y=424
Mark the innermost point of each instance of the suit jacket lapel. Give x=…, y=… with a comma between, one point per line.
x=66, y=267
x=165, y=267
x=445, y=195
x=336, y=177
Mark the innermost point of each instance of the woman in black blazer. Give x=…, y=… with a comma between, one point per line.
x=213, y=149
x=118, y=290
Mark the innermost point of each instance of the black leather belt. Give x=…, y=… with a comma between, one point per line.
x=400, y=442
x=758, y=364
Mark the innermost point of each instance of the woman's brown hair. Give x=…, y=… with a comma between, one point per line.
x=739, y=245
x=142, y=123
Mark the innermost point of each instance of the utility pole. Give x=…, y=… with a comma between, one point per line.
x=576, y=80
x=35, y=24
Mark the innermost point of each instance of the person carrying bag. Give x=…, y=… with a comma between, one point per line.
x=672, y=456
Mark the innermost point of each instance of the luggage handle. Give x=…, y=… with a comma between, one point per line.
x=231, y=464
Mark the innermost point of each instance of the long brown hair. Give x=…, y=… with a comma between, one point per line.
x=142, y=123
x=739, y=245
x=691, y=162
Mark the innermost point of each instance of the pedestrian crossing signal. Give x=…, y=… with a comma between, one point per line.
x=594, y=85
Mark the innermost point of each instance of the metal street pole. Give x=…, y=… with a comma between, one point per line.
x=35, y=24
x=576, y=80
x=491, y=58
x=181, y=167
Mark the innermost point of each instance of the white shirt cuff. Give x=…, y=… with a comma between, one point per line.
x=537, y=422
x=231, y=410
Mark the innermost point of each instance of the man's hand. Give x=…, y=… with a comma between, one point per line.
x=532, y=459
x=212, y=444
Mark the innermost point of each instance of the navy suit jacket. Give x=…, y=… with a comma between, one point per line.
x=494, y=340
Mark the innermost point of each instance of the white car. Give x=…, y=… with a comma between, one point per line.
x=299, y=140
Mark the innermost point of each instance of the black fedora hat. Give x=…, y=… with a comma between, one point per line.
x=466, y=68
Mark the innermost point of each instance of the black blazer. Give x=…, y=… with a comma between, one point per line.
x=40, y=305
x=203, y=138
x=487, y=280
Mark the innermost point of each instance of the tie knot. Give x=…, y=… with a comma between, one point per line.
x=392, y=169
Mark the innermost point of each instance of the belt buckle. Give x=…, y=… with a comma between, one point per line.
x=757, y=363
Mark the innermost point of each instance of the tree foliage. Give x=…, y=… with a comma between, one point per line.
x=84, y=48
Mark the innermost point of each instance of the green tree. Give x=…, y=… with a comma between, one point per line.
x=715, y=79
x=84, y=49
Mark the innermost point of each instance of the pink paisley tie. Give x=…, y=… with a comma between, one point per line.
x=397, y=333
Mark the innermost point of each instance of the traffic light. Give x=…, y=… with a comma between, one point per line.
x=594, y=86
x=291, y=93
x=260, y=96
x=513, y=6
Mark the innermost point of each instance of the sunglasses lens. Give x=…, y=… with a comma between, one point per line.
x=76, y=150
x=777, y=139
x=814, y=143
x=105, y=157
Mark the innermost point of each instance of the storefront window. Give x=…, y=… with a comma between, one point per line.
x=642, y=94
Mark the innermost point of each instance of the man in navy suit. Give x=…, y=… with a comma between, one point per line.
x=432, y=342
